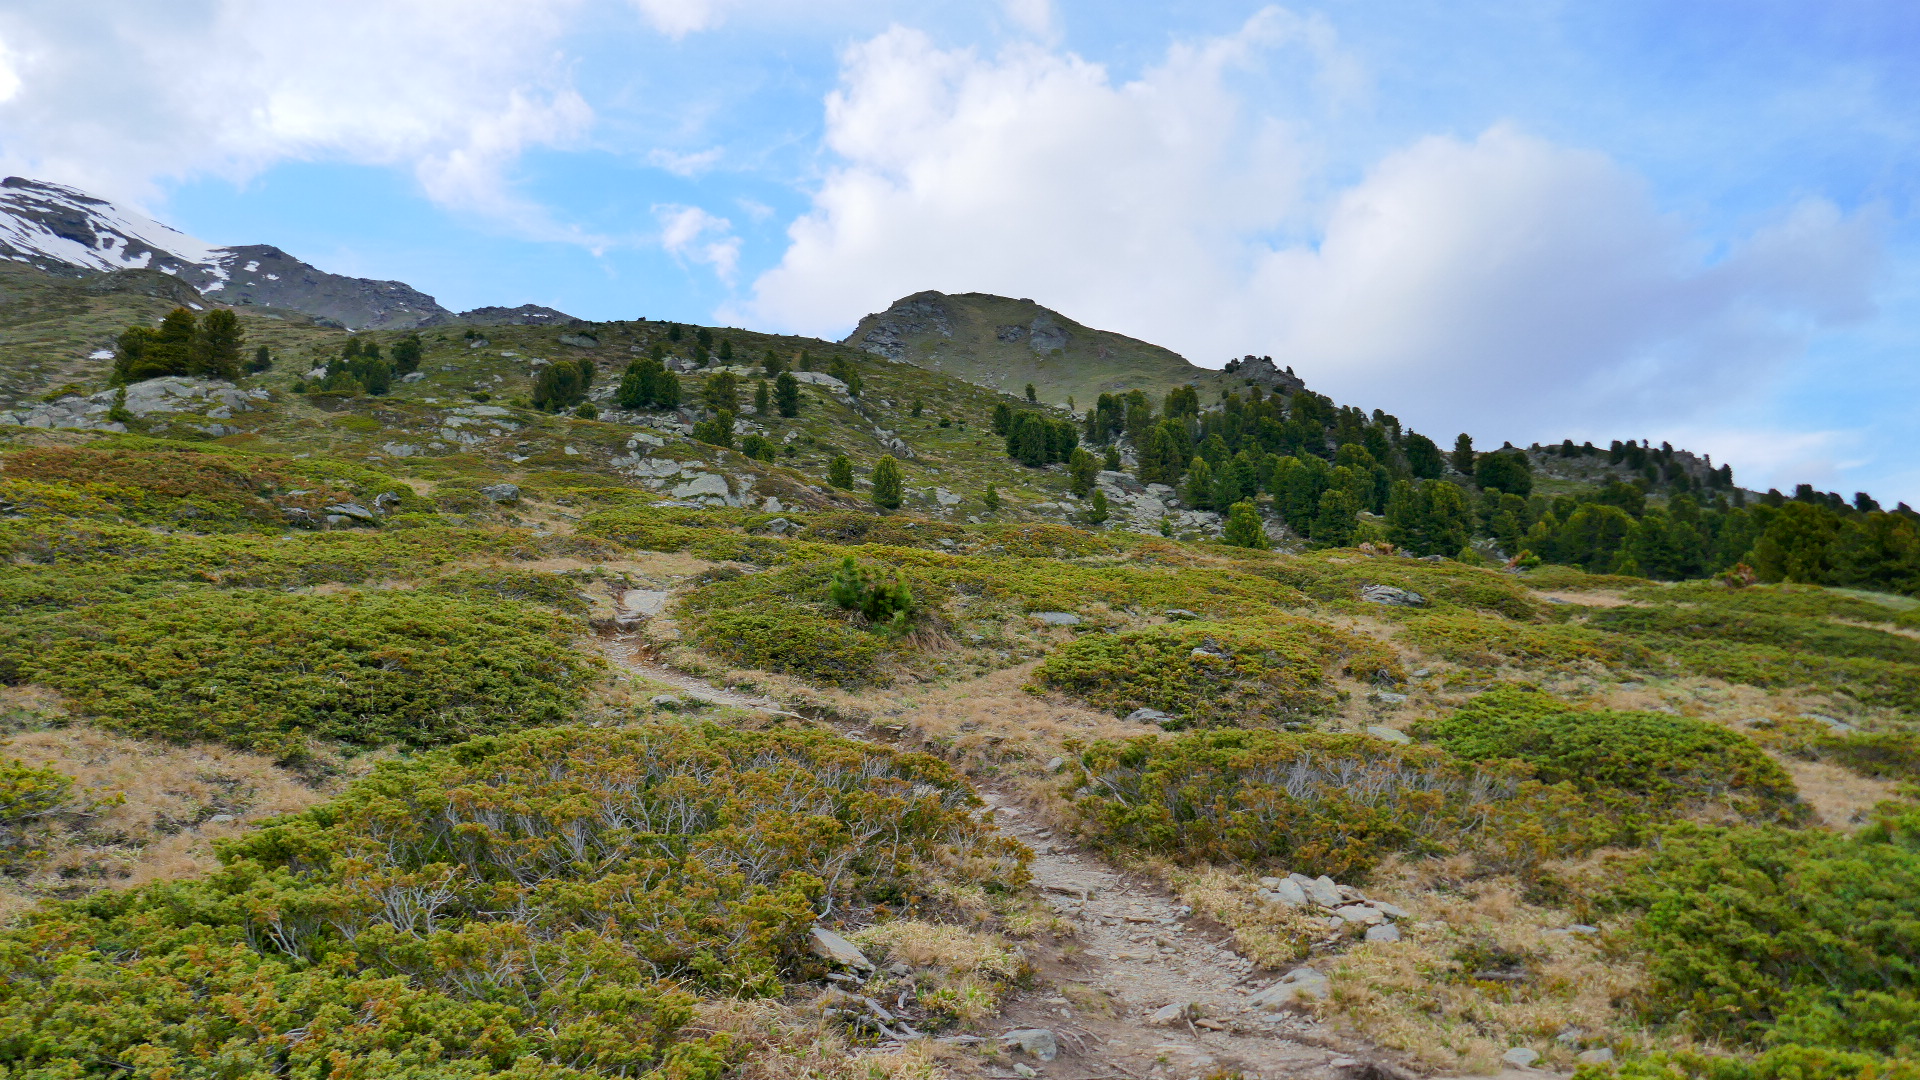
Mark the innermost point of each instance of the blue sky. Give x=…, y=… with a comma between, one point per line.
x=1691, y=221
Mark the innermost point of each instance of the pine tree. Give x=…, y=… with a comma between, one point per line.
x=991, y=498
x=726, y=349
x=1081, y=469
x=1244, y=528
x=1097, y=511
x=1333, y=523
x=1113, y=459
x=1199, y=490
x=216, y=348
x=786, y=394
x=761, y=399
x=1031, y=398
x=886, y=483
x=407, y=353
x=1462, y=457
x=918, y=407
x=716, y=430
x=170, y=350
x=721, y=390
x=262, y=361
x=840, y=473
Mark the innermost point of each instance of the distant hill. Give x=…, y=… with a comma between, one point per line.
x=1005, y=344
x=62, y=231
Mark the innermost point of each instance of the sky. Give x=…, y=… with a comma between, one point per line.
x=1691, y=221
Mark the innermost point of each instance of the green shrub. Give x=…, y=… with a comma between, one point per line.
x=1488, y=641
x=1317, y=803
x=538, y=905
x=265, y=670
x=29, y=798
x=1246, y=673
x=1764, y=935
x=1888, y=755
x=794, y=642
x=529, y=586
x=1640, y=763
x=1875, y=682
x=1793, y=633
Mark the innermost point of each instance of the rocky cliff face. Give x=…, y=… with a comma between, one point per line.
x=63, y=231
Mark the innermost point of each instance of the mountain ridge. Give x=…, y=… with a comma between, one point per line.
x=67, y=232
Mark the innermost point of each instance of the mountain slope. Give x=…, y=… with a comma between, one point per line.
x=62, y=231
x=1006, y=344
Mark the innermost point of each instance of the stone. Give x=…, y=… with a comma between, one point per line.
x=1520, y=1057
x=1381, y=731
x=779, y=526
x=352, y=510
x=1361, y=913
x=664, y=701
x=580, y=341
x=1178, y=1012
x=1181, y=615
x=1147, y=716
x=707, y=485
x=221, y=819
x=1056, y=618
x=1584, y=929
x=1284, y=891
x=1388, y=697
x=413, y=376
x=1040, y=1042
x=1300, y=984
x=399, y=449
x=502, y=493
x=1024, y=1071
x=1270, y=882
x=1056, y=765
x=1320, y=890
x=1598, y=1056
x=835, y=949
x=1391, y=595
x=1383, y=932
x=1390, y=910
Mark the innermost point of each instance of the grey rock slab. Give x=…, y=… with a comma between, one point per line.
x=1284, y=891
x=502, y=493
x=1381, y=731
x=1181, y=615
x=352, y=510
x=1321, y=890
x=1040, y=1042
x=1599, y=1056
x=833, y=948
x=1520, y=1057
x=1362, y=914
x=1383, y=932
x=1147, y=716
x=1391, y=595
x=1300, y=984
x=1056, y=618
x=1177, y=1012
x=704, y=485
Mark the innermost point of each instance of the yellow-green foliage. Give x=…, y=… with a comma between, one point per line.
x=559, y=591
x=1799, y=939
x=1315, y=803
x=197, y=489
x=1337, y=577
x=1876, y=682
x=542, y=905
x=265, y=670
x=1256, y=672
x=28, y=798
x=783, y=620
x=1640, y=764
x=1485, y=640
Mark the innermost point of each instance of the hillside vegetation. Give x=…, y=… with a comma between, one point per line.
x=342, y=737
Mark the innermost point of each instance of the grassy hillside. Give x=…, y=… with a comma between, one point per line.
x=1005, y=344
x=325, y=754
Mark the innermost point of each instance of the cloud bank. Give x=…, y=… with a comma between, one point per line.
x=1500, y=281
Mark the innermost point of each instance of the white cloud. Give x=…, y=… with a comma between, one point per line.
x=1036, y=17
x=690, y=233
x=1502, y=283
x=117, y=96
x=687, y=165
x=9, y=79
x=678, y=18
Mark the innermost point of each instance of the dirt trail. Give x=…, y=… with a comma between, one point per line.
x=1135, y=951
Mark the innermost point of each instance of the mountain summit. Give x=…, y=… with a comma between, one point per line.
x=63, y=231
x=1005, y=344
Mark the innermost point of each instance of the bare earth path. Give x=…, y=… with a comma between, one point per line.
x=1135, y=950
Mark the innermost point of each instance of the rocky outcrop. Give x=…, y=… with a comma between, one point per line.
x=1261, y=371
x=524, y=315
x=889, y=333
x=212, y=398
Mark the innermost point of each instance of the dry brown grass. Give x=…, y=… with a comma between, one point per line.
x=778, y=1043
x=161, y=827
x=960, y=975
x=1271, y=935
x=1554, y=992
x=1841, y=799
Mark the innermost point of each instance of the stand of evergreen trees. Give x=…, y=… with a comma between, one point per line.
x=183, y=344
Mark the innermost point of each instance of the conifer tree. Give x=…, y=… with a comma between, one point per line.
x=786, y=394
x=216, y=348
x=771, y=365
x=1462, y=457
x=991, y=498
x=721, y=390
x=840, y=473
x=762, y=401
x=262, y=361
x=1081, y=469
x=1113, y=459
x=1198, y=492
x=407, y=353
x=1244, y=528
x=1097, y=511
x=1333, y=523
x=887, y=483
x=1031, y=398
